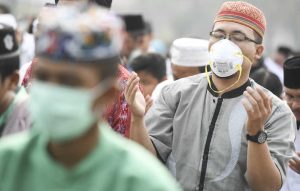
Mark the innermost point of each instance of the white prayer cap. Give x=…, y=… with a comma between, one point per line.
x=9, y=20
x=189, y=52
x=22, y=8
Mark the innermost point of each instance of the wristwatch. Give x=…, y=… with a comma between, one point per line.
x=259, y=138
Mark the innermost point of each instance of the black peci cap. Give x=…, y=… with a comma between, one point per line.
x=8, y=42
x=134, y=24
x=292, y=73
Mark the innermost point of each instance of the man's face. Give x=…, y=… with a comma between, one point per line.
x=128, y=45
x=148, y=82
x=146, y=43
x=292, y=97
x=249, y=49
x=77, y=76
x=183, y=71
x=279, y=58
x=66, y=74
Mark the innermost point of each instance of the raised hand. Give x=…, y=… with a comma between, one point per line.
x=294, y=163
x=258, y=106
x=134, y=97
x=149, y=102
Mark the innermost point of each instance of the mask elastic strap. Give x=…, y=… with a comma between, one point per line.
x=102, y=87
x=100, y=90
x=239, y=68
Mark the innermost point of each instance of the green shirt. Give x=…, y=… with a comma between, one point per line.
x=115, y=164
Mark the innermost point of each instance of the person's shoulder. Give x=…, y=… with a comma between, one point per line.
x=279, y=105
x=188, y=83
x=12, y=147
x=191, y=80
x=120, y=144
x=140, y=167
x=19, y=118
x=15, y=142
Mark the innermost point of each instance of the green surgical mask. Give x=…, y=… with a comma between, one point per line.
x=63, y=113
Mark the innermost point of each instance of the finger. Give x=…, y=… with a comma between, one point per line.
x=126, y=92
x=133, y=89
x=147, y=98
x=129, y=90
x=292, y=162
x=252, y=101
x=257, y=98
x=149, y=105
x=140, y=96
x=266, y=99
x=132, y=94
x=149, y=102
x=132, y=77
x=270, y=103
x=296, y=159
x=133, y=84
x=294, y=168
x=255, y=95
x=247, y=106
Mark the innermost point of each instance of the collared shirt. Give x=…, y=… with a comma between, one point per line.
x=115, y=164
x=202, y=137
x=16, y=118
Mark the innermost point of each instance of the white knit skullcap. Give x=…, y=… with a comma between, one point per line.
x=9, y=20
x=189, y=52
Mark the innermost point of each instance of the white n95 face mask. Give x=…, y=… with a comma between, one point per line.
x=226, y=58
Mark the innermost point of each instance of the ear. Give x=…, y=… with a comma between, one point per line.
x=13, y=81
x=109, y=97
x=139, y=41
x=259, y=51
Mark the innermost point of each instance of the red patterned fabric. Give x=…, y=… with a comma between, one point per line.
x=118, y=115
x=243, y=13
x=28, y=75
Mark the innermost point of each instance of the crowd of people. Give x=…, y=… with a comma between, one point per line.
x=90, y=100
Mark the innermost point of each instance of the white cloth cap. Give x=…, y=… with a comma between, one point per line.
x=189, y=52
x=8, y=19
